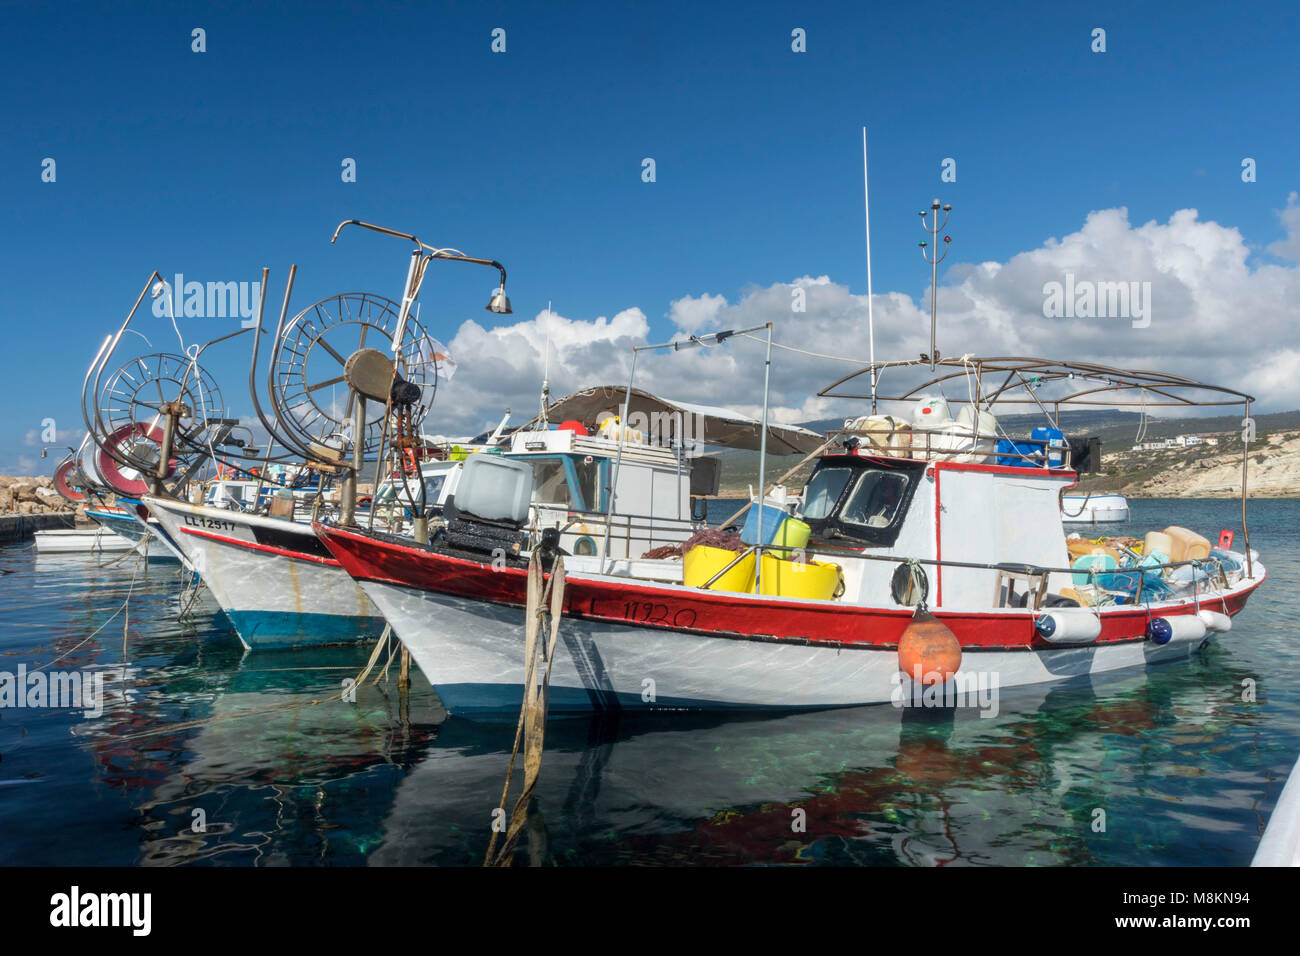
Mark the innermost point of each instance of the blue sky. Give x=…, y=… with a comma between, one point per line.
x=215, y=164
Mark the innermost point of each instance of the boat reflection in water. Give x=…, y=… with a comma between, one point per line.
x=247, y=770
x=867, y=786
x=389, y=780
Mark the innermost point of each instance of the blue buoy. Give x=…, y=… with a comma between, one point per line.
x=1159, y=631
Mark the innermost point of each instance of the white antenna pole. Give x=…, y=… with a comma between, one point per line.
x=546, y=367
x=871, y=324
x=546, y=362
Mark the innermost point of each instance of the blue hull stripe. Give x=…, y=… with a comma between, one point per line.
x=267, y=629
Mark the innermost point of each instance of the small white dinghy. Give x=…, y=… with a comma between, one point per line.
x=1093, y=509
x=81, y=540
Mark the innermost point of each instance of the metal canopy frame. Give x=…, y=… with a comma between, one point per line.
x=1030, y=373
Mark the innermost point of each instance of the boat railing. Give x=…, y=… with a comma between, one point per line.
x=956, y=446
x=1024, y=569
x=652, y=526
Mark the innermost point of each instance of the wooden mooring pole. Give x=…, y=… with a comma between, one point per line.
x=545, y=599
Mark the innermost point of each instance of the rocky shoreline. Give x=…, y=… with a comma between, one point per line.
x=21, y=495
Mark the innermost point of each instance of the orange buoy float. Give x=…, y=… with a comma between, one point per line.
x=929, y=649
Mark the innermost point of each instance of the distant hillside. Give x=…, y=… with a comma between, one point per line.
x=1205, y=471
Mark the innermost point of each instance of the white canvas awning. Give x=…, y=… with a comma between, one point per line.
x=661, y=419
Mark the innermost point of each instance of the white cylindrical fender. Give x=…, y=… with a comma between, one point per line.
x=1176, y=627
x=1215, y=620
x=1068, y=626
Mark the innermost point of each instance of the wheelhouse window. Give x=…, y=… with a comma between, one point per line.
x=862, y=498
x=824, y=491
x=875, y=500
x=433, y=488
x=550, y=483
x=587, y=473
x=567, y=481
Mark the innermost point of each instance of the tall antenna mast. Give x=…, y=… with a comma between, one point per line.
x=934, y=228
x=871, y=324
x=546, y=368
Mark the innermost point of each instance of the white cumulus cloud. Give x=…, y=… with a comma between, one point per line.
x=1214, y=315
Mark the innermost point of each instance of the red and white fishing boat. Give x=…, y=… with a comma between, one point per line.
x=936, y=564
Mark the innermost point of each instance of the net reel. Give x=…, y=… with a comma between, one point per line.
x=352, y=373
x=152, y=421
x=332, y=376
x=156, y=406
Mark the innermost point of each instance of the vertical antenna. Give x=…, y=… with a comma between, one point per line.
x=546, y=368
x=934, y=257
x=871, y=324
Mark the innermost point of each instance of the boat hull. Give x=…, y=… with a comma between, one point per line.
x=276, y=584
x=642, y=645
x=81, y=541
x=1094, y=509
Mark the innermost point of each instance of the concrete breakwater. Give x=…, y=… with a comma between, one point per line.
x=28, y=505
x=21, y=527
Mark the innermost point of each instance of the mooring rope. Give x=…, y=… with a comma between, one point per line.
x=531, y=728
x=143, y=541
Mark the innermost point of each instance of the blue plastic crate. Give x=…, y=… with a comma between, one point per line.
x=1020, y=454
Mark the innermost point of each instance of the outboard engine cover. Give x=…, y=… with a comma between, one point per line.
x=487, y=513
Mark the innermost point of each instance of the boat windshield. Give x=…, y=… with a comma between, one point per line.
x=875, y=499
x=823, y=491
x=859, y=497
x=566, y=482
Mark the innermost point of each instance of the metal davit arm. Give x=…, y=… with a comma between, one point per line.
x=106, y=353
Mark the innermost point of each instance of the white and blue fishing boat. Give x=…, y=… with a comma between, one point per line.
x=130, y=519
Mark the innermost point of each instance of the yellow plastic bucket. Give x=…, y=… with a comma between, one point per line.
x=701, y=563
x=806, y=579
x=793, y=533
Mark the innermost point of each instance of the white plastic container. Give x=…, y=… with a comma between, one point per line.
x=886, y=435
x=954, y=441
x=495, y=488
x=931, y=411
x=985, y=423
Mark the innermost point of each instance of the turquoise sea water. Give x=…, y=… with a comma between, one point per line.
x=195, y=731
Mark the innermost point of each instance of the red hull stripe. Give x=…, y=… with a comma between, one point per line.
x=1006, y=470
x=267, y=548
x=718, y=613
